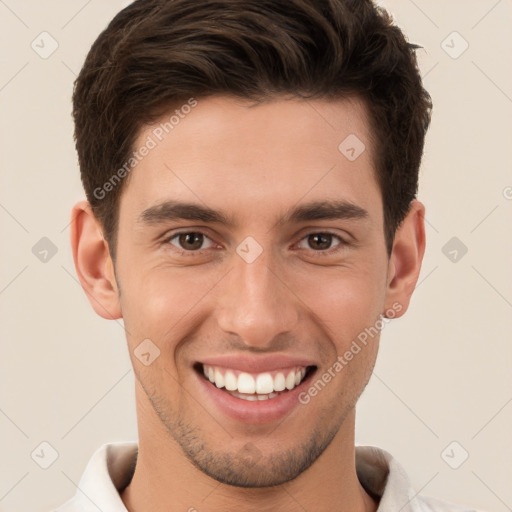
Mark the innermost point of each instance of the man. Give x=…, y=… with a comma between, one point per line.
x=251, y=171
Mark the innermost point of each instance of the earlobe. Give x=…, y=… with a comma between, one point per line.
x=406, y=258
x=93, y=264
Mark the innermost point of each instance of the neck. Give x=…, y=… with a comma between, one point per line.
x=166, y=480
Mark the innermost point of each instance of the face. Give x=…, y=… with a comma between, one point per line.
x=251, y=252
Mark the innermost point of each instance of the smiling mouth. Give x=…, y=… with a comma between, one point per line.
x=255, y=386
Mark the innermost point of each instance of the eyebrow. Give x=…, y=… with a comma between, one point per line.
x=325, y=210
x=316, y=210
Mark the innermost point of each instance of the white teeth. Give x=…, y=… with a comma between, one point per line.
x=279, y=382
x=258, y=387
x=246, y=383
x=264, y=384
x=219, y=378
x=230, y=381
x=290, y=381
x=253, y=398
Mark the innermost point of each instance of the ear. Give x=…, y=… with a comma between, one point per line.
x=93, y=264
x=405, y=260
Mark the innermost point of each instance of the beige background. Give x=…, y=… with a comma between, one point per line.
x=444, y=369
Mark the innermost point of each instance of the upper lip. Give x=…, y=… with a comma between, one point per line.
x=257, y=364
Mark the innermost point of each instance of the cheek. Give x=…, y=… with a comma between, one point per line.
x=346, y=300
x=162, y=304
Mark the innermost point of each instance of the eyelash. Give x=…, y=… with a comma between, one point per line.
x=327, y=252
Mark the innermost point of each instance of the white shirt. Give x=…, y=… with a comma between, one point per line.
x=111, y=468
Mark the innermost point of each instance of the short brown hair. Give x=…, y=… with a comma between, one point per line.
x=158, y=53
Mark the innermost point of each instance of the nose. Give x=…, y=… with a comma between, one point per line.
x=257, y=305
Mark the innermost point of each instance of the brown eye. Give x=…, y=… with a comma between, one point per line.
x=320, y=241
x=190, y=241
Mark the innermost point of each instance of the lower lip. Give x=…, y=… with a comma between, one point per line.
x=255, y=412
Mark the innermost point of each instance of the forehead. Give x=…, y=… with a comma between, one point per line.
x=255, y=155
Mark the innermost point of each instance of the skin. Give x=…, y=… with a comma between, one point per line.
x=298, y=298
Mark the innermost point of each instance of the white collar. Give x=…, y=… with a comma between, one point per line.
x=111, y=468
